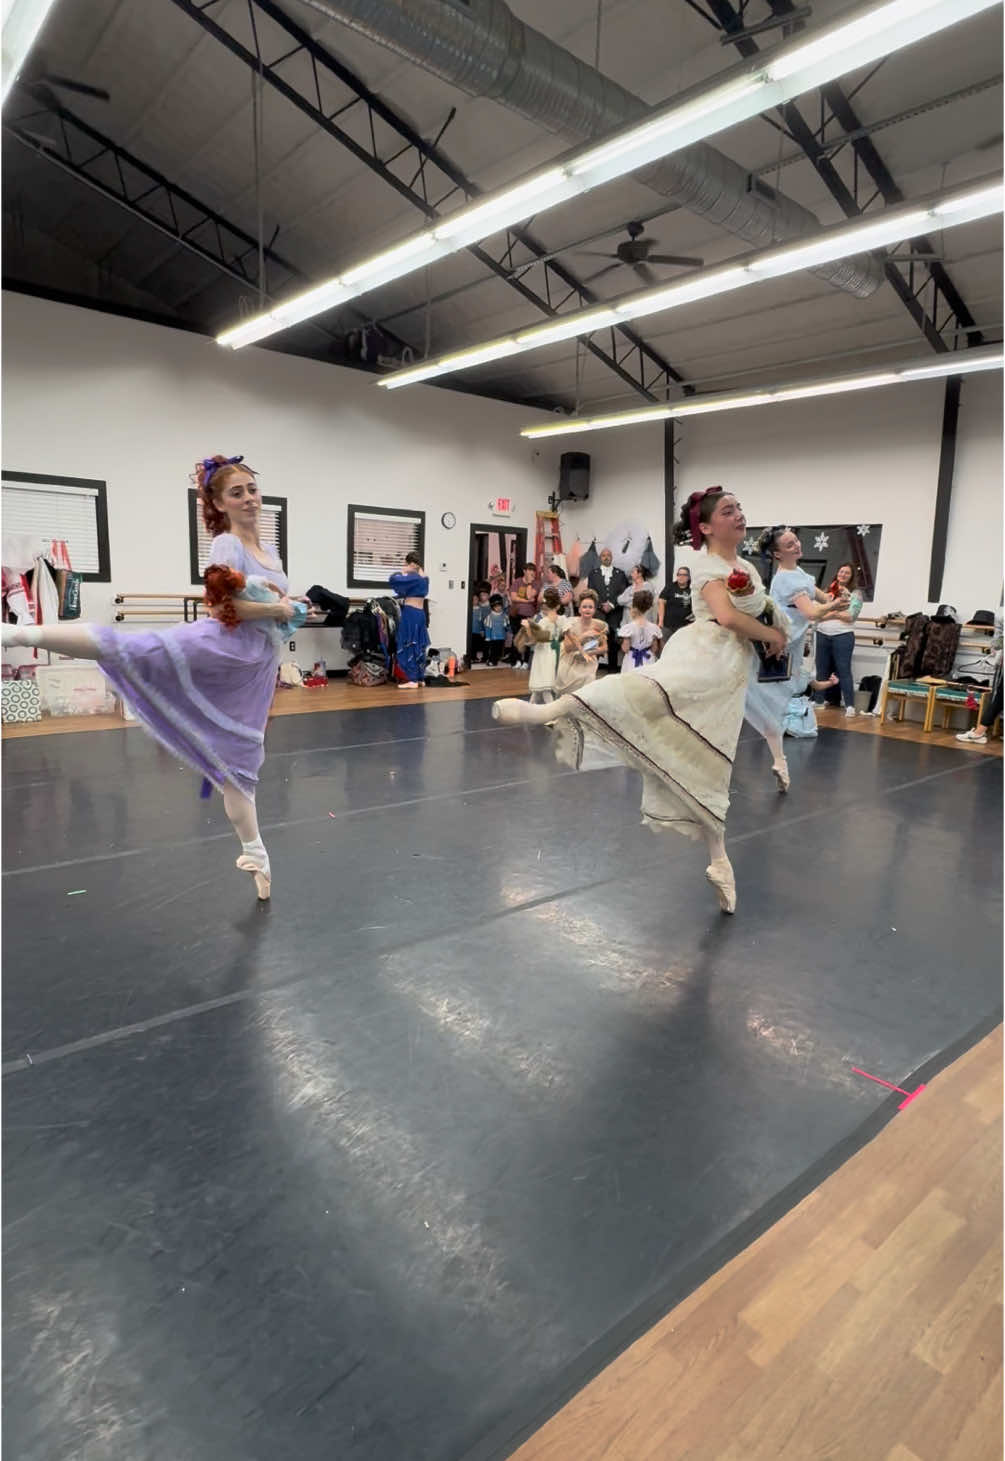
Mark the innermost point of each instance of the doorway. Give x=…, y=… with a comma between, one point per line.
x=493, y=548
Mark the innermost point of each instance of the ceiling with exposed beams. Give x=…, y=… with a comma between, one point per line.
x=183, y=104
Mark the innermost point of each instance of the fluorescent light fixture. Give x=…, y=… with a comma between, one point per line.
x=470, y=224
x=834, y=244
x=966, y=362
x=963, y=205
x=854, y=40
x=22, y=21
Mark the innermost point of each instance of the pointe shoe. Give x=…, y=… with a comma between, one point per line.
x=720, y=875
x=511, y=712
x=780, y=770
x=262, y=874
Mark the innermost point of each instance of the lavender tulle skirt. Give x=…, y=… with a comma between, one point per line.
x=203, y=690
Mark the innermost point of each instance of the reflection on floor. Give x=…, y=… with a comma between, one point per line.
x=393, y=1166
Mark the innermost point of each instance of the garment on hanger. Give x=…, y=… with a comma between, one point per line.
x=649, y=560
x=589, y=560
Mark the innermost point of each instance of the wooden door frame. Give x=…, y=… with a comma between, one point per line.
x=521, y=535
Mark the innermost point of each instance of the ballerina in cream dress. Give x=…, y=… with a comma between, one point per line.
x=678, y=721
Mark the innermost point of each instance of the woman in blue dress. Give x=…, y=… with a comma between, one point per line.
x=411, y=586
x=796, y=594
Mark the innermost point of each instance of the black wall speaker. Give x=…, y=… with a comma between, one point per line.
x=574, y=477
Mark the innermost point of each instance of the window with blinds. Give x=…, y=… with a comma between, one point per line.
x=73, y=509
x=271, y=530
x=377, y=540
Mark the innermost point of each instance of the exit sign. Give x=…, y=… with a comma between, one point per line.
x=502, y=506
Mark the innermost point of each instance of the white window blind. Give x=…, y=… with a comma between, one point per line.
x=49, y=512
x=268, y=530
x=379, y=544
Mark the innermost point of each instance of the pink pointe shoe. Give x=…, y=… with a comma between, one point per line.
x=261, y=872
x=780, y=771
x=720, y=875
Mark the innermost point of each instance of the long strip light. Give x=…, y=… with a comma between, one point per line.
x=966, y=362
x=22, y=21
x=962, y=205
x=856, y=40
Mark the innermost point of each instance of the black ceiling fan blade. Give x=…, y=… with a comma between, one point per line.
x=645, y=274
x=681, y=260
x=601, y=272
x=81, y=87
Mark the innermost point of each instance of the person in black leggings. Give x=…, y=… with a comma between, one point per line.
x=993, y=709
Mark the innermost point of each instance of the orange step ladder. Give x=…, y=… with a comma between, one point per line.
x=548, y=540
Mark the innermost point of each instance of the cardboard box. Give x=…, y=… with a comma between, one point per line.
x=73, y=691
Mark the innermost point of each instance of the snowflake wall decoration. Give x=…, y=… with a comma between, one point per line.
x=748, y=545
x=821, y=541
x=864, y=529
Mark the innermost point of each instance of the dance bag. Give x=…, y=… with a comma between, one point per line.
x=800, y=720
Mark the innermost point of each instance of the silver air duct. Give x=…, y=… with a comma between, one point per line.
x=482, y=48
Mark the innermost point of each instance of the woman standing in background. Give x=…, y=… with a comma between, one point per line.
x=674, y=604
x=411, y=586
x=836, y=639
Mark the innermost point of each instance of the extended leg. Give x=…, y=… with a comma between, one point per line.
x=521, y=712
x=72, y=639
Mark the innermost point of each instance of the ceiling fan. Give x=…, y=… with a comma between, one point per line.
x=637, y=252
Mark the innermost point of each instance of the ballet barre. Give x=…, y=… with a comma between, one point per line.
x=158, y=608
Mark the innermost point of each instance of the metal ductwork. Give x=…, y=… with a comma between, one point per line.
x=482, y=48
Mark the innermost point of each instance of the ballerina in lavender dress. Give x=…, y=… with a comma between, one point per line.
x=204, y=690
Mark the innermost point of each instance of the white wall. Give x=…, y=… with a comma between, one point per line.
x=93, y=395
x=871, y=457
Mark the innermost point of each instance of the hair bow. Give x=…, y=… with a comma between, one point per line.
x=694, y=513
x=210, y=465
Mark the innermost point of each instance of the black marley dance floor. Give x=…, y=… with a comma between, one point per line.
x=389, y=1168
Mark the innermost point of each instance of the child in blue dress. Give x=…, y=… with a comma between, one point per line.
x=496, y=628
x=479, y=609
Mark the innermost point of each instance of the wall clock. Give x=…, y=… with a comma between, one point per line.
x=448, y=520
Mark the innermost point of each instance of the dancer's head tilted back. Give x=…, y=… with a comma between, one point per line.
x=712, y=519
x=780, y=548
x=228, y=493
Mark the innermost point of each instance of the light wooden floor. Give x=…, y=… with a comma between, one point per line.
x=908, y=730
x=336, y=695
x=865, y=1326
x=481, y=685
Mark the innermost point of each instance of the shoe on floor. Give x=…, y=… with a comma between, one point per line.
x=850, y=712
x=973, y=738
